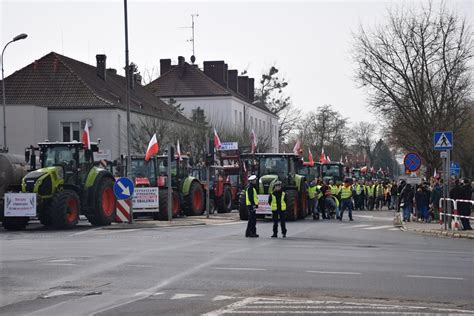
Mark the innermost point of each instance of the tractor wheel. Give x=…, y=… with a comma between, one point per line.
x=224, y=203
x=195, y=199
x=243, y=212
x=65, y=209
x=44, y=216
x=292, y=205
x=162, y=215
x=104, y=204
x=303, y=205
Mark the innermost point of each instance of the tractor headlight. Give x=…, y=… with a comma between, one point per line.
x=60, y=173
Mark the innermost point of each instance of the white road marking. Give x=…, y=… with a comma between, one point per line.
x=139, y=266
x=59, y=293
x=222, y=298
x=231, y=223
x=241, y=269
x=378, y=227
x=335, y=272
x=144, y=294
x=394, y=228
x=356, y=226
x=433, y=277
x=184, y=295
x=158, y=293
x=60, y=260
x=60, y=264
x=116, y=231
x=85, y=231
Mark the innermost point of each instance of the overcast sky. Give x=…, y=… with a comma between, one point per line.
x=310, y=42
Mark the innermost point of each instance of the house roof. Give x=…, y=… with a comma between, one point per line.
x=59, y=82
x=189, y=81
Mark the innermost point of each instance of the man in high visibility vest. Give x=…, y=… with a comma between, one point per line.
x=358, y=199
x=312, y=199
x=277, y=200
x=370, y=193
x=379, y=197
x=251, y=201
x=346, y=200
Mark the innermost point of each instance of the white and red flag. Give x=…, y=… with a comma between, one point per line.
x=296, y=149
x=152, y=148
x=178, y=151
x=254, y=142
x=322, y=159
x=86, y=139
x=310, y=158
x=217, y=141
x=328, y=159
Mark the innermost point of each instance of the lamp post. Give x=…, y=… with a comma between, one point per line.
x=16, y=38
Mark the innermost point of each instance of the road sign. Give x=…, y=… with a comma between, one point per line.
x=443, y=140
x=123, y=188
x=412, y=162
x=455, y=169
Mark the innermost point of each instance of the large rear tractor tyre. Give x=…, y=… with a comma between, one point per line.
x=224, y=203
x=195, y=199
x=65, y=209
x=175, y=206
x=104, y=204
x=292, y=205
x=303, y=205
x=243, y=212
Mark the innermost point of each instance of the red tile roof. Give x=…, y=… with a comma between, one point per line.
x=59, y=82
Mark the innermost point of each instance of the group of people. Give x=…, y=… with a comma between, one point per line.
x=415, y=201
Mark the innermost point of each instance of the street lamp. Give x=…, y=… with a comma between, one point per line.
x=16, y=38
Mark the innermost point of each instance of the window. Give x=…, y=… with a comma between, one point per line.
x=235, y=115
x=70, y=131
x=240, y=116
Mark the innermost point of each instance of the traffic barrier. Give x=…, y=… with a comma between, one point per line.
x=441, y=208
x=455, y=222
x=123, y=211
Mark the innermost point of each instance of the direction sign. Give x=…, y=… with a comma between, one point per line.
x=443, y=140
x=455, y=168
x=123, y=188
x=412, y=162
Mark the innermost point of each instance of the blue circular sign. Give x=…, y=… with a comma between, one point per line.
x=123, y=188
x=412, y=162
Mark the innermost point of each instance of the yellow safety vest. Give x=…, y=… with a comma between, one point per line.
x=274, y=202
x=346, y=193
x=370, y=190
x=255, y=197
x=312, y=192
x=320, y=194
x=334, y=189
x=379, y=190
x=358, y=189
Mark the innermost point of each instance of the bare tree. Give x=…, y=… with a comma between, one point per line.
x=364, y=135
x=417, y=70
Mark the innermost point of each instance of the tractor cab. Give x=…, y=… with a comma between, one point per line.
x=311, y=172
x=332, y=171
x=143, y=173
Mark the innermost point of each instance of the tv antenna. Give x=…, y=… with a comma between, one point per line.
x=193, y=57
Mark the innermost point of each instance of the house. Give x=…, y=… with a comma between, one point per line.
x=54, y=96
x=226, y=98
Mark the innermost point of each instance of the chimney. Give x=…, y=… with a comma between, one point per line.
x=217, y=71
x=101, y=66
x=251, y=90
x=165, y=66
x=180, y=60
x=112, y=70
x=243, y=85
x=232, y=80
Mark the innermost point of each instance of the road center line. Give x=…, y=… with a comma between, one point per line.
x=433, y=277
x=240, y=269
x=378, y=227
x=335, y=272
x=356, y=226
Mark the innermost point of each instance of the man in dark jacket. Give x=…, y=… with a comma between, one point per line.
x=464, y=208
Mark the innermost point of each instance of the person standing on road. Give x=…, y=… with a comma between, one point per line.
x=379, y=197
x=393, y=196
x=370, y=190
x=406, y=201
x=251, y=201
x=277, y=200
x=436, y=195
x=312, y=200
x=465, y=207
x=346, y=200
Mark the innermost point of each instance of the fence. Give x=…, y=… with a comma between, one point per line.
x=453, y=221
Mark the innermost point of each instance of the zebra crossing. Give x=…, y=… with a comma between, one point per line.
x=285, y=306
x=371, y=227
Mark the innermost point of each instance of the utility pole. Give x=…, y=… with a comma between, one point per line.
x=193, y=57
x=127, y=89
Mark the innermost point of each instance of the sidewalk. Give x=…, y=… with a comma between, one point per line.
x=213, y=219
x=436, y=229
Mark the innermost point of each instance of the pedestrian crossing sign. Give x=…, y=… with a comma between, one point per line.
x=443, y=140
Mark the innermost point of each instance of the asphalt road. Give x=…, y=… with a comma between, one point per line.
x=330, y=267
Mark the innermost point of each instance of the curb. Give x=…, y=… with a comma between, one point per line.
x=442, y=233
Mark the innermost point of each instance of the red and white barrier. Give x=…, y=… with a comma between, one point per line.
x=123, y=211
x=455, y=222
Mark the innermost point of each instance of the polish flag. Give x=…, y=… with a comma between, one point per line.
x=310, y=158
x=217, y=141
x=254, y=142
x=296, y=149
x=86, y=139
x=152, y=148
x=322, y=159
x=328, y=159
x=178, y=151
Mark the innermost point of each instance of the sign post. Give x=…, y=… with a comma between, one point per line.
x=170, y=189
x=443, y=141
x=208, y=207
x=123, y=190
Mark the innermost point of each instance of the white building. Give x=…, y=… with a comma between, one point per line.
x=226, y=98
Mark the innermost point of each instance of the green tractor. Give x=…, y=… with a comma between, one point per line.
x=69, y=184
x=188, y=191
x=270, y=168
